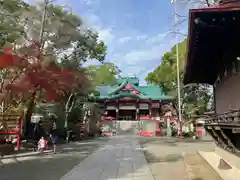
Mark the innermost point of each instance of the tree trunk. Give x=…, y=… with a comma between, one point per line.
x=29, y=112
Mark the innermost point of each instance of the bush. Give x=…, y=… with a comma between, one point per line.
x=174, y=132
x=189, y=134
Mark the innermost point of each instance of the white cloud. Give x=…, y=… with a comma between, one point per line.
x=159, y=38
x=106, y=35
x=93, y=21
x=134, y=53
x=134, y=57
x=124, y=39
x=134, y=70
x=141, y=37
x=151, y=52
x=90, y=2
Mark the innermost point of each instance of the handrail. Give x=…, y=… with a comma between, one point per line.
x=18, y=132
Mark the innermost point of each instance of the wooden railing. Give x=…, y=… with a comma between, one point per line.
x=12, y=126
x=232, y=116
x=225, y=130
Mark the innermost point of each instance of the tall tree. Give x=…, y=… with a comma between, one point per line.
x=65, y=42
x=11, y=21
x=64, y=33
x=104, y=74
x=196, y=98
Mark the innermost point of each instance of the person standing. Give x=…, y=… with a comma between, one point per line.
x=54, y=135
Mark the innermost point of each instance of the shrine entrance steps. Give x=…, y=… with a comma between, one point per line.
x=122, y=126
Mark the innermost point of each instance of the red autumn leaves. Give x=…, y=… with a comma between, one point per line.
x=8, y=59
x=35, y=75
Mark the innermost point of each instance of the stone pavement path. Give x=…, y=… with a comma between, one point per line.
x=49, y=166
x=120, y=159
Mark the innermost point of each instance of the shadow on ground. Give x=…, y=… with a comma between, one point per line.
x=158, y=151
x=55, y=166
x=49, y=166
x=151, y=158
x=172, y=141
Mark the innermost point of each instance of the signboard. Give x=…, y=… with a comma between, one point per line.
x=127, y=106
x=36, y=118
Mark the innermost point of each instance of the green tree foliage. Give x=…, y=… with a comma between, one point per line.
x=165, y=74
x=64, y=34
x=65, y=41
x=104, y=74
x=10, y=17
x=196, y=99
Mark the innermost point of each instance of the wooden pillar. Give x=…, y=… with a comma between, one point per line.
x=19, y=132
x=137, y=110
x=214, y=100
x=150, y=108
x=117, y=110
x=105, y=108
x=160, y=107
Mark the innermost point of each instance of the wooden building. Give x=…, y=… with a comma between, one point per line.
x=213, y=57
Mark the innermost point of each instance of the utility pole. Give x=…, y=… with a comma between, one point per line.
x=68, y=108
x=174, y=2
x=46, y=2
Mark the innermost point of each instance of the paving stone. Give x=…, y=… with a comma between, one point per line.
x=142, y=172
x=92, y=174
x=49, y=166
x=118, y=162
x=147, y=177
x=125, y=178
x=169, y=157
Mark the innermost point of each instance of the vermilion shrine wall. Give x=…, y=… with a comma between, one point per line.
x=144, y=108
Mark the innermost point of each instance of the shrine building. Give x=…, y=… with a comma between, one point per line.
x=130, y=101
x=213, y=58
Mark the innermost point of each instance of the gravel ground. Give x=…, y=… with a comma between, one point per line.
x=177, y=159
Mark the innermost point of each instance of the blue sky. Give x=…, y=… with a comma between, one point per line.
x=137, y=32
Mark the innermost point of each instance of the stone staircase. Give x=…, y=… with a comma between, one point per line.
x=122, y=127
